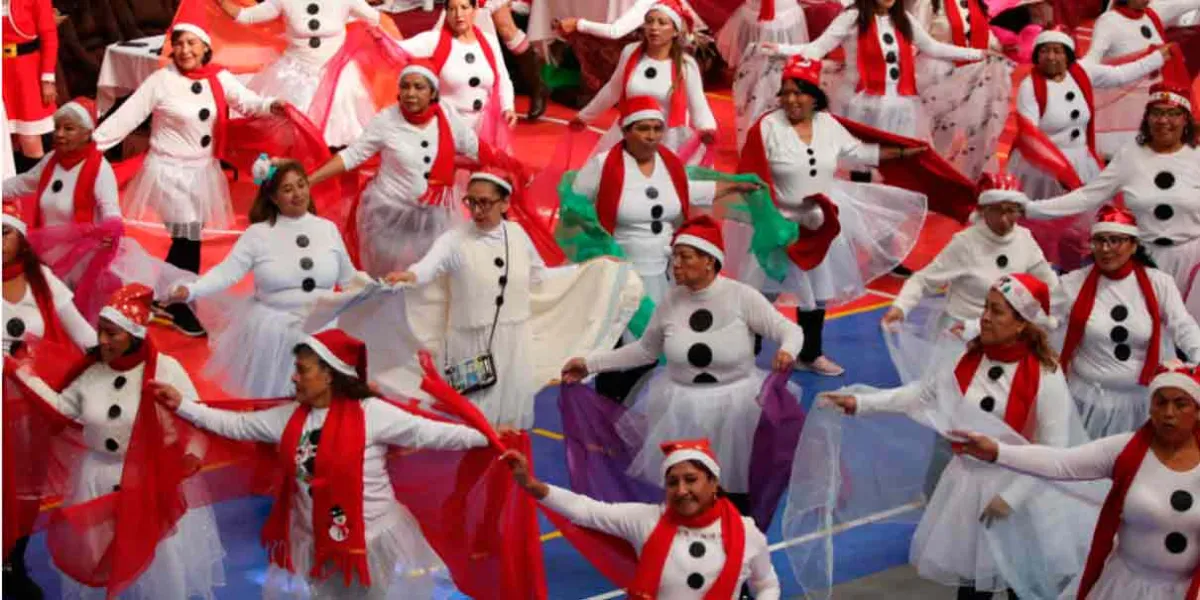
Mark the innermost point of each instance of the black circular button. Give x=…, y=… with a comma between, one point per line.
x=306, y=263
x=205, y=141
x=1164, y=212
x=111, y=445
x=812, y=173
x=891, y=57
x=1165, y=180
x=1118, y=334
x=470, y=58
x=114, y=411
x=1164, y=242
x=810, y=152
x=313, y=9
x=308, y=285
x=499, y=300
x=503, y=281
x=1176, y=542
x=424, y=143
x=695, y=581
x=894, y=72
x=473, y=82
x=889, y=38
x=499, y=262
x=1181, y=500
x=963, y=4
x=197, y=87
x=701, y=320
x=57, y=186
x=656, y=211
x=1146, y=33
x=1075, y=134
x=427, y=159
x=478, y=105
x=1002, y=261
x=205, y=114
x=15, y=348
x=697, y=549
x=302, y=240
x=651, y=192
x=650, y=72
x=656, y=227
x=119, y=382
x=116, y=488
x=1122, y=352
x=427, y=175
x=812, y=162
x=314, y=24
x=1119, y=313
x=995, y=373
x=15, y=327
x=700, y=355
x=1070, y=96
x=314, y=43
x=988, y=404
x=704, y=378
x=1075, y=114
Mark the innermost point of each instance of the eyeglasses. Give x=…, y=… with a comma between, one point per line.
x=1110, y=241
x=480, y=203
x=1166, y=112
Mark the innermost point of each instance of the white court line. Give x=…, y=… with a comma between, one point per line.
x=867, y=520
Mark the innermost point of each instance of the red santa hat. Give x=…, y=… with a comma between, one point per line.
x=1186, y=378
x=1029, y=296
x=345, y=354
x=640, y=108
x=1114, y=219
x=704, y=234
x=422, y=67
x=129, y=309
x=82, y=109
x=699, y=450
x=674, y=11
x=995, y=188
x=494, y=176
x=804, y=69
x=1055, y=35
x=1170, y=95
x=12, y=217
x=195, y=30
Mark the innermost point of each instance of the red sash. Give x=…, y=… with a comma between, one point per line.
x=1022, y=396
x=873, y=67
x=648, y=578
x=612, y=183
x=209, y=73
x=1083, y=309
x=677, y=111
x=85, y=183
x=1084, y=82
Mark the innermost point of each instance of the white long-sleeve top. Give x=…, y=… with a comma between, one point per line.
x=291, y=261
x=1160, y=526
x=986, y=394
x=707, y=335
x=316, y=29
x=696, y=556
x=843, y=31
x=1161, y=190
x=184, y=113
x=652, y=77
x=1117, y=334
x=407, y=152
x=58, y=201
x=650, y=209
x=1116, y=35
x=973, y=260
x=633, y=18
x=802, y=169
x=386, y=426
x=466, y=80
x=106, y=401
x=1067, y=115
x=23, y=320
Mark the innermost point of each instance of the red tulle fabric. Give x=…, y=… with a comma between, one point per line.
x=83, y=254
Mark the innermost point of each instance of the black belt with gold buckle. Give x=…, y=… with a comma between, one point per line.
x=15, y=50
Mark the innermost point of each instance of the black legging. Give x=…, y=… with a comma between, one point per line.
x=812, y=322
x=970, y=593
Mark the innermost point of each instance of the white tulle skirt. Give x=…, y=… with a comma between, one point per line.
x=171, y=190
x=1121, y=581
x=252, y=354
x=510, y=401
x=743, y=29
x=186, y=565
x=1108, y=409
x=1039, y=185
x=295, y=80
x=396, y=232
x=727, y=414
x=900, y=115
x=401, y=564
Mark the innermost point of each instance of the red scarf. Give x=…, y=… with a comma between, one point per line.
x=766, y=11
x=441, y=174
x=1124, y=470
x=1136, y=15
x=1083, y=309
x=979, y=26
x=612, y=183
x=873, y=68
x=52, y=327
x=648, y=578
x=1085, y=86
x=209, y=73
x=85, y=183
x=441, y=53
x=809, y=249
x=337, y=482
x=678, y=107
x=1022, y=396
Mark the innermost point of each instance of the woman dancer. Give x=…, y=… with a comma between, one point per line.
x=1132, y=26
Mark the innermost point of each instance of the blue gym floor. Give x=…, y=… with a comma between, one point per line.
x=853, y=340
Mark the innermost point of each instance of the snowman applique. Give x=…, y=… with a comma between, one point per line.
x=338, y=531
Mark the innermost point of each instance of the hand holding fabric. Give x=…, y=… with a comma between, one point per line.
x=784, y=361
x=575, y=370
x=977, y=445
x=847, y=403
x=166, y=394
x=995, y=510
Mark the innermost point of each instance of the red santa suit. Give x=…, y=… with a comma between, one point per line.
x=30, y=54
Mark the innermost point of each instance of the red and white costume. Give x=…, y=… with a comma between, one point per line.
x=30, y=37
x=346, y=538
x=681, y=558
x=1145, y=544
x=630, y=21
x=1118, y=328
x=79, y=188
x=756, y=21
x=1160, y=190
x=1122, y=31
x=316, y=32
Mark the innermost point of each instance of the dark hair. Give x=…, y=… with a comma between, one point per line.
x=135, y=345
x=1034, y=337
x=344, y=386
x=264, y=207
x=1013, y=19
x=1037, y=50
x=30, y=263
x=866, y=15
x=204, y=60
x=1189, y=129
x=820, y=100
x=1142, y=256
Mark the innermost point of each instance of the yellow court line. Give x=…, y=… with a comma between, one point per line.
x=719, y=96
x=860, y=310
x=551, y=536
x=547, y=433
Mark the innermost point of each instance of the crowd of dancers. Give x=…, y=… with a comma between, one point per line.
x=416, y=285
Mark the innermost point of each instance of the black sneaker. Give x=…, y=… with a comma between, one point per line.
x=185, y=321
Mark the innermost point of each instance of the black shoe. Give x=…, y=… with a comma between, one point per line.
x=531, y=70
x=19, y=586
x=902, y=272
x=186, y=321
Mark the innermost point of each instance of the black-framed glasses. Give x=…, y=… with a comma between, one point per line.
x=480, y=203
x=1110, y=241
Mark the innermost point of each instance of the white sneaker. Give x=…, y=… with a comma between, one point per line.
x=821, y=366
